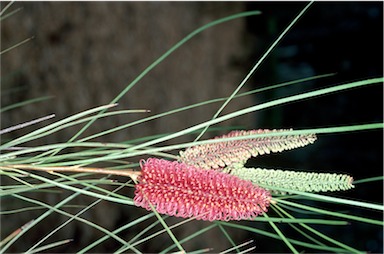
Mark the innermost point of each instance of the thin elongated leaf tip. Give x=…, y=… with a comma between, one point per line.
x=27, y=224
x=112, y=105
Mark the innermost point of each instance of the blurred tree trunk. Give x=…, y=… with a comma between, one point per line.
x=84, y=54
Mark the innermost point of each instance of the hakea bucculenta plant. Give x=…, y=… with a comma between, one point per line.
x=181, y=190
x=210, y=182
x=230, y=157
x=222, y=154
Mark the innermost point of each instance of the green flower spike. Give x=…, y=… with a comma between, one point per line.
x=230, y=157
x=292, y=180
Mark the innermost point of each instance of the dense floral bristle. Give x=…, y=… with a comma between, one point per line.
x=181, y=190
x=222, y=154
x=294, y=180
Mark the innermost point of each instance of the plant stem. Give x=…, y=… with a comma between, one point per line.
x=132, y=174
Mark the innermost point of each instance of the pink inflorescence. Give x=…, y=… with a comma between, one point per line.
x=221, y=154
x=180, y=190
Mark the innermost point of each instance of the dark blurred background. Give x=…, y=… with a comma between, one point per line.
x=84, y=54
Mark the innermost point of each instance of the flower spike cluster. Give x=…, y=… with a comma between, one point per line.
x=231, y=156
x=181, y=190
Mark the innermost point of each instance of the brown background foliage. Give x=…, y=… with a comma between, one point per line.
x=84, y=54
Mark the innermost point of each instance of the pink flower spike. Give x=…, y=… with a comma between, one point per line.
x=180, y=190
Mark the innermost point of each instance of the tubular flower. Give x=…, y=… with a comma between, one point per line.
x=181, y=190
